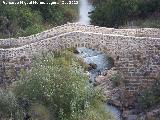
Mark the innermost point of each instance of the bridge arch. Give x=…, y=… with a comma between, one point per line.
x=137, y=57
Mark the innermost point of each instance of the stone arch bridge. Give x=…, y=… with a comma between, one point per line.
x=136, y=52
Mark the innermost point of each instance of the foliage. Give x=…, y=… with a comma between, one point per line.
x=112, y=13
x=150, y=97
x=9, y=107
x=60, y=86
x=116, y=78
x=148, y=7
x=30, y=30
x=23, y=20
x=39, y=112
x=110, y=62
x=115, y=13
x=150, y=22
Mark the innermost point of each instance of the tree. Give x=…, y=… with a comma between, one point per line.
x=112, y=14
x=115, y=13
x=23, y=20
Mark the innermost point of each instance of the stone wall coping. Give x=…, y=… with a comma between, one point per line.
x=92, y=33
x=77, y=24
x=16, y=42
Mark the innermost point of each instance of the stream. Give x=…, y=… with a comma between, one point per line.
x=84, y=8
x=100, y=59
x=92, y=56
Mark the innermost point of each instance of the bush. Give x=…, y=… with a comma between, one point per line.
x=17, y=19
x=20, y=20
x=147, y=7
x=30, y=30
x=70, y=13
x=113, y=13
x=110, y=62
x=39, y=112
x=61, y=87
x=149, y=23
x=150, y=97
x=9, y=108
x=116, y=13
x=116, y=79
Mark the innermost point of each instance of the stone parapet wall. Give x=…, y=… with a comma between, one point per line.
x=17, y=42
x=140, y=32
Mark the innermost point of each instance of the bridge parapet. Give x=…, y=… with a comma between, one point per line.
x=17, y=42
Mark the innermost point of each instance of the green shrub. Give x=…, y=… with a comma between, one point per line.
x=146, y=8
x=110, y=62
x=116, y=13
x=150, y=97
x=116, y=78
x=150, y=22
x=9, y=108
x=30, y=30
x=113, y=13
x=70, y=13
x=146, y=100
x=21, y=20
x=61, y=87
x=39, y=112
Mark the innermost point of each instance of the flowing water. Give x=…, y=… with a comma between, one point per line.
x=84, y=8
x=92, y=56
x=95, y=57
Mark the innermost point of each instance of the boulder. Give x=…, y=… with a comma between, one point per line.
x=100, y=79
x=75, y=51
x=92, y=65
x=132, y=117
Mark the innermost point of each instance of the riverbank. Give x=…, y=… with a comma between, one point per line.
x=109, y=81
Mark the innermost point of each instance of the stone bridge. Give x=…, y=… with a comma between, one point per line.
x=136, y=52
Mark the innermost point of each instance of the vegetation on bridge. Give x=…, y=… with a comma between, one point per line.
x=150, y=97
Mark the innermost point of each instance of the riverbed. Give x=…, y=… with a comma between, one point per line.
x=100, y=59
